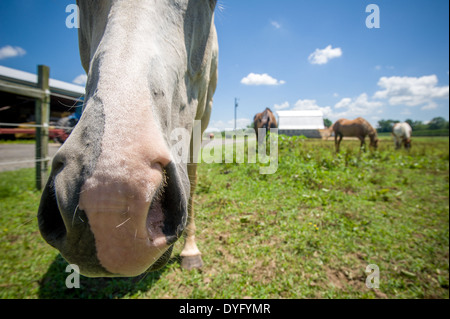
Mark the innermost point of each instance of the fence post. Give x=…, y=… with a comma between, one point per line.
x=42, y=113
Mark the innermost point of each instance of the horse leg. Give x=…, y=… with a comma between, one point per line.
x=363, y=144
x=337, y=141
x=398, y=144
x=191, y=255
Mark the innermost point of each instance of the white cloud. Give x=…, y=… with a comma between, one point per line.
x=280, y=107
x=430, y=106
x=325, y=55
x=402, y=91
x=306, y=105
x=406, y=112
x=346, y=108
x=275, y=24
x=355, y=107
x=260, y=79
x=11, y=52
x=345, y=102
x=312, y=105
x=387, y=67
x=412, y=91
x=374, y=119
x=81, y=79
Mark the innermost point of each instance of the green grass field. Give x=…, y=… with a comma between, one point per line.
x=308, y=231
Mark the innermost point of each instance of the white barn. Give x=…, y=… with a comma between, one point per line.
x=296, y=123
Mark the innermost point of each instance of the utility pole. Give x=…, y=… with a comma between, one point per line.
x=235, y=112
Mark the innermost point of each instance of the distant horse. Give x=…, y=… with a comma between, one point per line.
x=359, y=128
x=402, y=133
x=264, y=120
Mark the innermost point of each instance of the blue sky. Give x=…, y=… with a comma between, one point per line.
x=283, y=54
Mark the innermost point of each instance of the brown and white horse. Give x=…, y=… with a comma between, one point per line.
x=402, y=133
x=359, y=128
x=116, y=201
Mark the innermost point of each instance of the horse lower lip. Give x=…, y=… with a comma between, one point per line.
x=129, y=248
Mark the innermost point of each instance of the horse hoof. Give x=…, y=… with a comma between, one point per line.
x=192, y=262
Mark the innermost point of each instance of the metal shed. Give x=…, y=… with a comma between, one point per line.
x=295, y=123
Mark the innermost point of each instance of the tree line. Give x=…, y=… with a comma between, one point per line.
x=436, y=127
x=437, y=123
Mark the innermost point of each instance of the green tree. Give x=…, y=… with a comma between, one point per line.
x=419, y=126
x=416, y=125
x=327, y=122
x=410, y=122
x=386, y=125
x=438, y=123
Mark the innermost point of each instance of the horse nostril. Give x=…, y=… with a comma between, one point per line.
x=51, y=224
x=58, y=162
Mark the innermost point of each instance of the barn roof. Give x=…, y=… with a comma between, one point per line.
x=30, y=79
x=302, y=113
x=300, y=120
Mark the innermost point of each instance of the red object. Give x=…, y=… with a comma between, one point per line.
x=52, y=133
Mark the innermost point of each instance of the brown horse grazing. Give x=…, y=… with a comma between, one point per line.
x=359, y=128
x=265, y=120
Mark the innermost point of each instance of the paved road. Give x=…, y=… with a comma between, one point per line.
x=16, y=156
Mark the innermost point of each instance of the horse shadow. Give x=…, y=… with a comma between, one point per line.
x=53, y=284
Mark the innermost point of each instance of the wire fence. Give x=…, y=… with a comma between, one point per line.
x=35, y=126
x=26, y=162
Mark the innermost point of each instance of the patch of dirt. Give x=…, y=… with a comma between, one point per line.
x=336, y=279
x=226, y=257
x=263, y=271
x=347, y=278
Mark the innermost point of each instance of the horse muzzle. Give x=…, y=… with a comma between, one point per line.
x=117, y=228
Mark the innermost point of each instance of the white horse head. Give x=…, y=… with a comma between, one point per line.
x=116, y=201
x=402, y=133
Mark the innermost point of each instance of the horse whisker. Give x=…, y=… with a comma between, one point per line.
x=123, y=223
x=74, y=214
